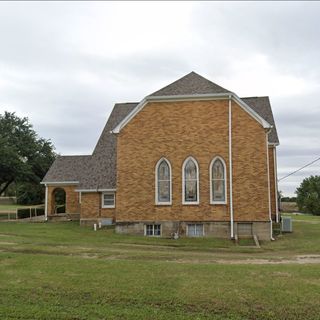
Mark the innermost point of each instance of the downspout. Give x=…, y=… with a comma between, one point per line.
x=100, y=201
x=46, y=204
x=276, y=182
x=230, y=169
x=269, y=195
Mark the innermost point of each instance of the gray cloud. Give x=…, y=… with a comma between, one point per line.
x=64, y=64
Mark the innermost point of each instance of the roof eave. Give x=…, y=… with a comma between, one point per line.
x=255, y=115
x=59, y=182
x=96, y=190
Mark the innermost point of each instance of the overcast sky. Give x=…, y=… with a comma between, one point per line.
x=64, y=64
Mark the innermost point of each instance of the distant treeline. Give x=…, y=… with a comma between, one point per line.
x=289, y=199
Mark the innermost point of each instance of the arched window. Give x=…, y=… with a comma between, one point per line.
x=163, y=182
x=190, y=181
x=218, y=184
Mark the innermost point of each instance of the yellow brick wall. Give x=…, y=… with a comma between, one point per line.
x=91, y=207
x=272, y=180
x=250, y=172
x=176, y=130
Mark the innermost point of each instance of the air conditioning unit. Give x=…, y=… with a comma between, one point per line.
x=286, y=224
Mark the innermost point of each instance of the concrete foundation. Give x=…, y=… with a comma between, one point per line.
x=91, y=222
x=217, y=229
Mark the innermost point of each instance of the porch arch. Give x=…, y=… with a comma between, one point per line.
x=58, y=197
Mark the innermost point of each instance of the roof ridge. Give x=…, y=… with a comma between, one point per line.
x=190, y=84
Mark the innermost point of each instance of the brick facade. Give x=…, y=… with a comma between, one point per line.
x=91, y=207
x=272, y=181
x=176, y=130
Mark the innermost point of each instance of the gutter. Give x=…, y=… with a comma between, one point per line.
x=56, y=183
x=269, y=191
x=95, y=190
x=276, y=182
x=230, y=170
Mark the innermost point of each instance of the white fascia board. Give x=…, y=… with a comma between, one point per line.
x=244, y=106
x=96, y=190
x=188, y=97
x=274, y=144
x=55, y=183
x=129, y=116
x=192, y=97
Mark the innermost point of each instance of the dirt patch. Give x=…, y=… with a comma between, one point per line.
x=149, y=246
x=303, y=259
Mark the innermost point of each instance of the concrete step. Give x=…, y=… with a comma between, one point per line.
x=59, y=217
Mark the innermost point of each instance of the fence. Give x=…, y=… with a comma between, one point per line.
x=22, y=213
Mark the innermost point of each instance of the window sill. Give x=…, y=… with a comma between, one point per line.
x=218, y=203
x=108, y=207
x=190, y=203
x=163, y=204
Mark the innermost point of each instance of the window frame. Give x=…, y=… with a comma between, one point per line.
x=157, y=202
x=184, y=202
x=194, y=224
x=103, y=206
x=153, y=225
x=212, y=201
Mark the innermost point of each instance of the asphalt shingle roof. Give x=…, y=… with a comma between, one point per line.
x=262, y=106
x=98, y=171
x=67, y=168
x=103, y=167
x=190, y=84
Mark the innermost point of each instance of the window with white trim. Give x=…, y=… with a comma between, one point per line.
x=218, y=181
x=163, y=182
x=152, y=230
x=195, y=230
x=190, y=188
x=108, y=200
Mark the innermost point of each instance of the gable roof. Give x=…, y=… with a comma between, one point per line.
x=262, y=106
x=192, y=83
x=101, y=174
x=96, y=171
x=191, y=87
x=67, y=169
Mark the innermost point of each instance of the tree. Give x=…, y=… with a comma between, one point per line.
x=308, y=195
x=24, y=157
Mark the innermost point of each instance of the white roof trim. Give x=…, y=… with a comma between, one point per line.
x=192, y=97
x=95, y=190
x=263, y=122
x=58, y=182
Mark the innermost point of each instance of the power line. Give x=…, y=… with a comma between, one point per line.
x=307, y=165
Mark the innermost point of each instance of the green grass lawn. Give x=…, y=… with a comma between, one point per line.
x=63, y=271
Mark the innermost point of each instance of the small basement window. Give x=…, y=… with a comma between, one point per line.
x=195, y=230
x=108, y=200
x=152, y=230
